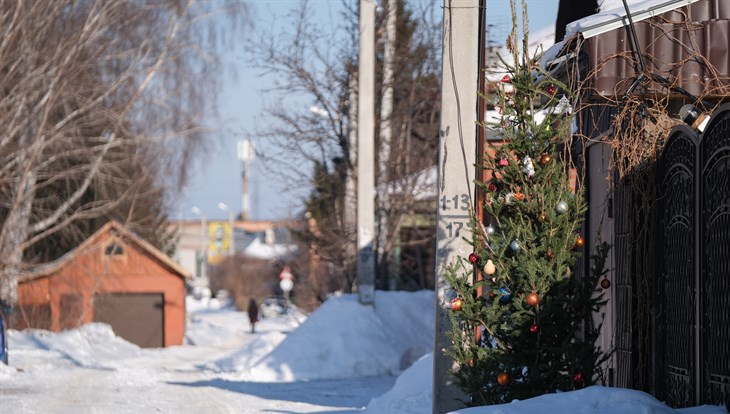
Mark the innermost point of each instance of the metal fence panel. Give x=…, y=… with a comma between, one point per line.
x=624, y=297
x=714, y=276
x=675, y=287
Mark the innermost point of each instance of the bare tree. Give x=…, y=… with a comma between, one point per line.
x=312, y=120
x=99, y=108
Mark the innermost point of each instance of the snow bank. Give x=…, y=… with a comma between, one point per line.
x=91, y=345
x=591, y=400
x=214, y=327
x=411, y=393
x=242, y=360
x=345, y=339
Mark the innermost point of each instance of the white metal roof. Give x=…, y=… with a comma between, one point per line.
x=608, y=20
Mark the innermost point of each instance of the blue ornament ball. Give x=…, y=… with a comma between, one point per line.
x=506, y=294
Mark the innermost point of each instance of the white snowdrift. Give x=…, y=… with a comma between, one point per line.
x=591, y=400
x=344, y=339
x=242, y=360
x=92, y=345
x=411, y=393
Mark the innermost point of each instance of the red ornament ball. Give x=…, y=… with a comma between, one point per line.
x=456, y=304
x=605, y=283
x=503, y=379
x=535, y=328
x=473, y=258
x=492, y=186
x=552, y=89
x=579, y=378
x=532, y=299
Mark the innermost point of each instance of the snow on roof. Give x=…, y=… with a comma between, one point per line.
x=613, y=15
x=260, y=250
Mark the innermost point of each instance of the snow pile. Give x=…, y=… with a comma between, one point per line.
x=214, y=326
x=591, y=400
x=345, y=339
x=91, y=345
x=249, y=354
x=411, y=393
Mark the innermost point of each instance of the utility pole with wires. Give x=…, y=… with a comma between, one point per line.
x=462, y=36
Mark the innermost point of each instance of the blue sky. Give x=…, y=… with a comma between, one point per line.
x=217, y=175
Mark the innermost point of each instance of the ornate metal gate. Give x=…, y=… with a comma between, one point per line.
x=624, y=285
x=714, y=247
x=692, y=305
x=675, y=286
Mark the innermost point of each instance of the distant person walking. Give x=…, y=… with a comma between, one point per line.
x=253, y=314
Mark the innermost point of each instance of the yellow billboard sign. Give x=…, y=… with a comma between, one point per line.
x=219, y=242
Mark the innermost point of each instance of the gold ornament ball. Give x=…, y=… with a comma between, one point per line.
x=503, y=379
x=605, y=283
x=542, y=217
x=456, y=304
x=545, y=159
x=532, y=299
x=579, y=243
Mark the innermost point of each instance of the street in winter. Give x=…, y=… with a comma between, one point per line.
x=343, y=358
x=372, y=206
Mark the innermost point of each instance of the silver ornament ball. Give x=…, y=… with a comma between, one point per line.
x=515, y=245
x=562, y=207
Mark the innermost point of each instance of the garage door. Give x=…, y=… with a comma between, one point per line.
x=137, y=317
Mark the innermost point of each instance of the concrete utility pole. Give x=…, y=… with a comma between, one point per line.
x=386, y=112
x=457, y=150
x=365, y=155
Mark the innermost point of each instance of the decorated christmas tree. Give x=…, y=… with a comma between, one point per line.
x=523, y=320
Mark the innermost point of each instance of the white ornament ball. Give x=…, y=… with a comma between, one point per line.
x=489, y=267
x=509, y=198
x=529, y=168
x=490, y=229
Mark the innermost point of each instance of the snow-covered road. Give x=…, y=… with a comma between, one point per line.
x=89, y=370
x=89, y=390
